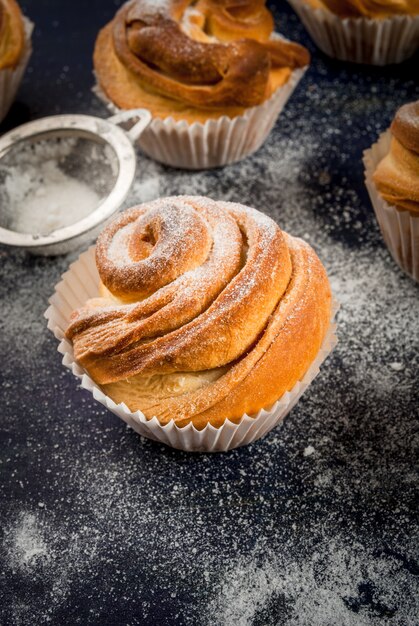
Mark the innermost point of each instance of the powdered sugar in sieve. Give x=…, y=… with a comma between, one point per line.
x=63, y=176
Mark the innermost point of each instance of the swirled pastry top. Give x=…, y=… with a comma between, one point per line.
x=397, y=175
x=12, y=39
x=376, y=9
x=207, y=311
x=209, y=54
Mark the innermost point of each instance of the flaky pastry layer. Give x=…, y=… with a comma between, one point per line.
x=193, y=61
x=397, y=175
x=207, y=311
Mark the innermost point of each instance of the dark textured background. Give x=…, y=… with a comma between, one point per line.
x=316, y=524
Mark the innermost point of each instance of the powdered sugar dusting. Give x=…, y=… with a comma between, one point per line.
x=238, y=259
x=158, y=5
x=50, y=199
x=267, y=583
x=118, y=247
x=25, y=543
x=46, y=185
x=262, y=536
x=275, y=535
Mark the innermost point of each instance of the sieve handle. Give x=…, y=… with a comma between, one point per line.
x=143, y=117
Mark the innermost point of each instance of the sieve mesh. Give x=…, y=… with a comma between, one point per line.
x=54, y=179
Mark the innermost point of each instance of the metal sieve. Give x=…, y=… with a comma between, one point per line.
x=74, y=169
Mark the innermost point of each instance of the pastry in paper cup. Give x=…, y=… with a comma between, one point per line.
x=400, y=229
x=15, y=55
x=214, y=97
x=210, y=370
x=216, y=142
x=374, y=41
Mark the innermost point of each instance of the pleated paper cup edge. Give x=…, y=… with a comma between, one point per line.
x=170, y=133
x=170, y=123
x=328, y=15
x=164, y=137
x=152, y=428
x=382, y=209
x=316, y=19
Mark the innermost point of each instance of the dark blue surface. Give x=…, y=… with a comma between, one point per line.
x=316, y=524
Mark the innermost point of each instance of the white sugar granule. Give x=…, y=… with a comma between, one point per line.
x=396, y=366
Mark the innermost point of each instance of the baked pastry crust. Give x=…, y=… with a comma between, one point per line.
x=397, y=175
x=12, y=34
x=375, y=9
x=207, y=311
x=215, y=58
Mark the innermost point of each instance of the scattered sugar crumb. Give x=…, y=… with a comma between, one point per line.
x=24, y=542
x=397, y=366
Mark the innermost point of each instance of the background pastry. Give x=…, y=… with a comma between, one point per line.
x=397, y=175
x=193, y=63
x=207, y=311
x=392, y=178
x=12, y=34
x=376, y=9
x=365, y=31
x=15, y=49
x=198, y=63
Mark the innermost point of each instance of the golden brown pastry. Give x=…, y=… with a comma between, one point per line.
x=207, y=311
x=12, y=36
x=376, y=9
x=193, y=60
x=397, y=175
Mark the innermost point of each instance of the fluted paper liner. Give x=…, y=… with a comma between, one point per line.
x=360, y=39
x=400, y=229
x=79, y=284
x=217, y=142
x=10, y=78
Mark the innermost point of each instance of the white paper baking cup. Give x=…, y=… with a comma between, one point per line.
x=10, y=78
x=361, y=39
x=79, y=284
x=217, y=142
x=400, y=229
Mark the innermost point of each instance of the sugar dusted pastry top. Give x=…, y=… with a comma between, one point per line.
x=378, y=9
x=397, y=175
x=12, y=39
x=212, y=55
x=207, y=311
